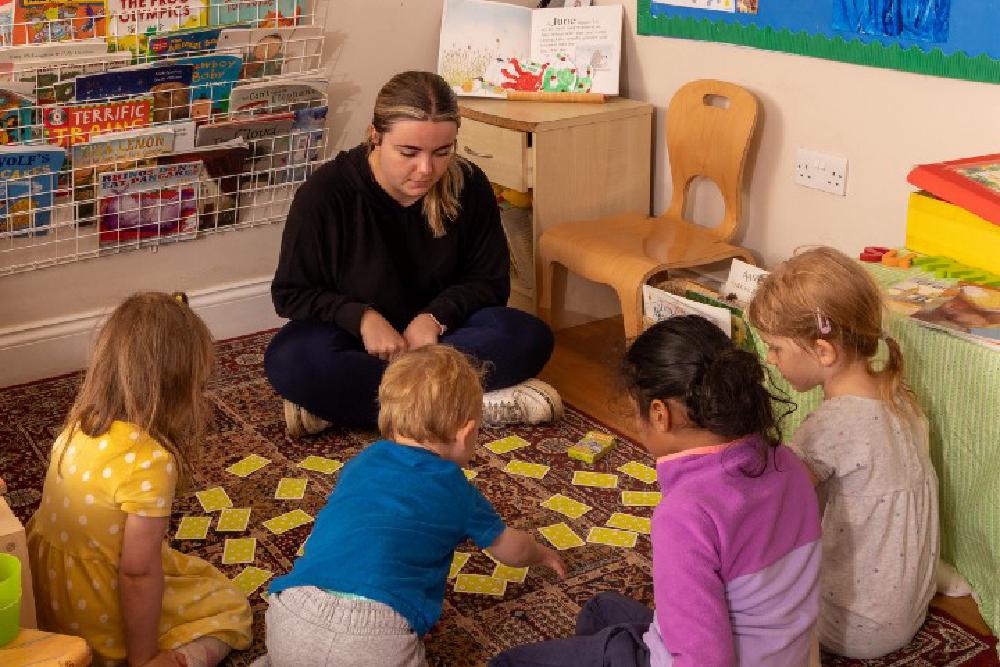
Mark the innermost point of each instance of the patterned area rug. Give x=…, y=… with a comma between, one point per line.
x=473, y=627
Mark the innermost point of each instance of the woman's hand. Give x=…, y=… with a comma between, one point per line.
x=423, y=330
x=378, y=336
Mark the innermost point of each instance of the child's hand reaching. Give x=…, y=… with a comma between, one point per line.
x=552, y=560
x=519, y=549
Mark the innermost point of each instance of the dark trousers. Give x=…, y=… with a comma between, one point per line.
x=609, y=633
x=326, y=370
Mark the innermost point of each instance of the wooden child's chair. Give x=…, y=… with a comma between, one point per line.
x=624, y=251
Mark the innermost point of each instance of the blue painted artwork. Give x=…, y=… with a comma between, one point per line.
x=923, y=20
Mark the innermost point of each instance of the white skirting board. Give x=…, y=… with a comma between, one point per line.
x=53, y=347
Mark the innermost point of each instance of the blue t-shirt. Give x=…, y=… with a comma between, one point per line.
x=389, y=529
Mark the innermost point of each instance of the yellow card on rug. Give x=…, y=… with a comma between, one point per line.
x=641, y=498
x=640, y=471
x=291, y=488
x=248, y=465
x=239, y=550
x=508, y=573
x=320, y=464
x=525, y=469
x=508, y=444
x=480, y=583
x=458, y=561
x=193, y=528
x=214, y=499
x=250, y=579
x=231, y=520
x=612, y=537
x=574, y=509
x=637, y=524
x=598, y=479
x=287, y=521
x=469, y=474
x=561, y=536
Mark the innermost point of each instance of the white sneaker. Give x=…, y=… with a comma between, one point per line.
x=300, y=422
x=531, y=402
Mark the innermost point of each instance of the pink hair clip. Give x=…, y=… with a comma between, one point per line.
x=823, y=323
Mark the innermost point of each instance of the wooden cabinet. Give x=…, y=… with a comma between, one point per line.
x=580, y=161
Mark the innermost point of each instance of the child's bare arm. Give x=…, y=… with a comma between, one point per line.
x=140, y=585
x=519, y=549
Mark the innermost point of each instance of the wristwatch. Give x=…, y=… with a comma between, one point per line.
x=440, y=326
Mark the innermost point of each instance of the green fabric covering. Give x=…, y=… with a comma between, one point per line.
x=958, y=384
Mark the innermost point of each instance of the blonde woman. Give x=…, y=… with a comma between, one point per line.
x=391, y=246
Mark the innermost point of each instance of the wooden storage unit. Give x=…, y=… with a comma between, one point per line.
x=581, y=161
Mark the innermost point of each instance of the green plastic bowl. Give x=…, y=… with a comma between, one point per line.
x=10, y=597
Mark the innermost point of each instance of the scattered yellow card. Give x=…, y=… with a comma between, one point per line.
x=233, y=520
x=525, y=469
x=302, y=549
x=291, y=488
x=574, y=509
x=214, y=499
x=239, y=550
x=469, y=474
x=250, y=579
x=458, y=561
x=561, y=536
x=641, y=498
x=287, y=521
x=508, y=573
x=248, y=465
x=193, y=528
x=640, y=471
x=321, y=464
x=508, y=444
x=480, y=583
x=612, y=537
x=637, y=524
x=598, y=479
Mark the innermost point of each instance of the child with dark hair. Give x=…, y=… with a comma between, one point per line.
x=735, y=538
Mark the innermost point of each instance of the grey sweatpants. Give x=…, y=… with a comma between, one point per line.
x=308, y=626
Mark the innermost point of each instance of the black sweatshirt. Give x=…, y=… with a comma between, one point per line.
x=348, y=245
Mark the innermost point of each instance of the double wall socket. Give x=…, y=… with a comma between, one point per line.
x=821, y=171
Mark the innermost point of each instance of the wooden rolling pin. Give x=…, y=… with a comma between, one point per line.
x=520, y=95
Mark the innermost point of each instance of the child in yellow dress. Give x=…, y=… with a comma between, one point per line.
x=100, y=566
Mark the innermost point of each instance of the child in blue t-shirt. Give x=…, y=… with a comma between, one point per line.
x=372, y=580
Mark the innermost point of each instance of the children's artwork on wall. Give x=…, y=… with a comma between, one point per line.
x=935, y=37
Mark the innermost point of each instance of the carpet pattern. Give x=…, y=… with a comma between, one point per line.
x=248, y=419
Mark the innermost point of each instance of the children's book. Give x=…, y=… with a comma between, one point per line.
x=277, y=96
x=189, y=42
x=133, y=22
x=218, y=187
x=658, y=305
x=53, y=80
x=6, y=22
x=308, y=132
x=487, y=48
x=972, y=183
x=273, y=51
x=16, y=103
x=968, y=311
x=212, y=82
x=258, y=13
x=27, y=179
x=133, y=81
x=149, y=203
x=46, y=21
x=742, y=282
x=912, y=294
x=184, y=133
x=76, y=123
x=54, y=52
x=267, y=136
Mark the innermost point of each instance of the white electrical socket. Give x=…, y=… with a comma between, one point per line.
x=821, y=171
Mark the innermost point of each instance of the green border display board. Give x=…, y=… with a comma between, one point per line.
x=953, y=61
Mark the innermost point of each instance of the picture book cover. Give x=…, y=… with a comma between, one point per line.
x=218, y=188
x=267, y=136
x=70, y=124
x=277, y=96
x=6, y=23
x=133, y=81
x=487, y=48
x=27, y=179
x=307, y=142
x=212, y=81
x=972, y=183
x=53, y=80
x=132, y=22
x=47, y=21
x=659, y=305
x=272, y=51
x=258, y=13
x=17, y=101
x=149, y=203
x=184, y=42
x=969, y=311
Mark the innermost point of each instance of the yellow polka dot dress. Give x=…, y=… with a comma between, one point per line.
x=74, y=542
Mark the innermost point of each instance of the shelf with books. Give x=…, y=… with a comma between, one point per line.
x=108, y=145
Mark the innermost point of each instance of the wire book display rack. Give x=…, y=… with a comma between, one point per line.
x=127, y=124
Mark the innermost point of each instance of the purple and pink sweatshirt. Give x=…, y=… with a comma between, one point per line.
x=735, y=559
